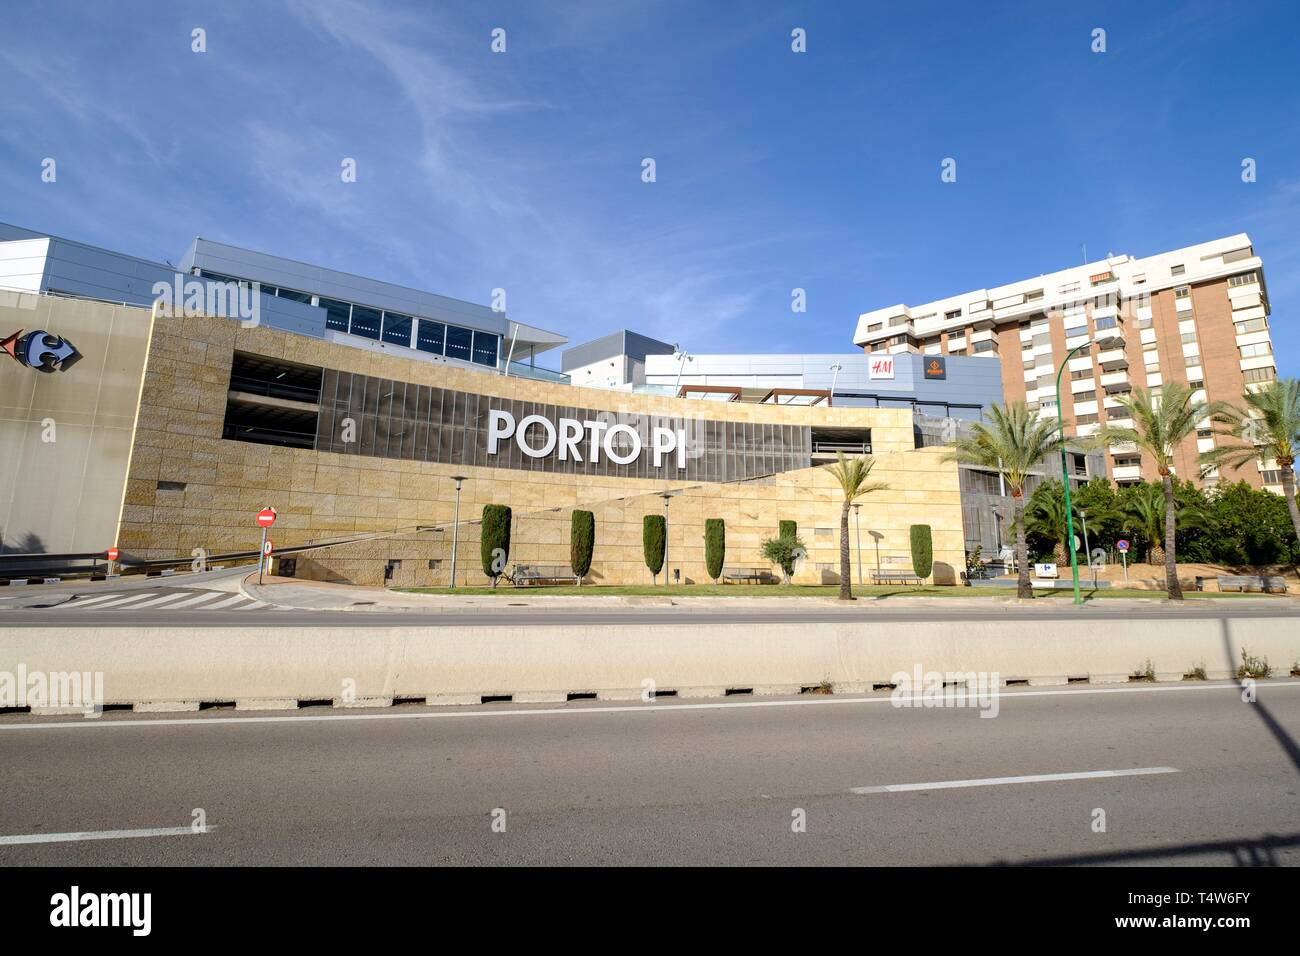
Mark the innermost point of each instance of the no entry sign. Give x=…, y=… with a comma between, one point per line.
x=266, y=517
x=111, y=554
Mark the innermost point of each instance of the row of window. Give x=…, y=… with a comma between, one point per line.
x=393, y=328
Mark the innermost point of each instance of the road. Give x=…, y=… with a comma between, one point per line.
x=1205, y=778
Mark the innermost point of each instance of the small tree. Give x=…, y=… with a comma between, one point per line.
x=787, y=529
x=654, y=535
x=922, y=550
x=715, y=547
x=851, y=473
x=784, y=553
x=582, y=542
x=494, y=545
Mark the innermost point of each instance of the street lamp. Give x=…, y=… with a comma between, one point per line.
x=666, y=496
x=1065, y=474
x=455, y=526
x=835, y=375
x=858, y=528
x=1087, y=549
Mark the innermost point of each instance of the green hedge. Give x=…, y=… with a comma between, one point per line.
x=496, y=536
x=715, y=546
x=922, y=549
x=787, y=529
x=654, y=533
x=582, y=541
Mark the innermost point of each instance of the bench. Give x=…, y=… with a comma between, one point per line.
x=757, y=575
x=896, y=576
x=525, y=574
x=1252, y=582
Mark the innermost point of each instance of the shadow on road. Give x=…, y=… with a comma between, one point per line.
x=1284, y=739
x=1261, y=852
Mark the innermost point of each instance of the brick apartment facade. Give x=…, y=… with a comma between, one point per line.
x=1197, y=315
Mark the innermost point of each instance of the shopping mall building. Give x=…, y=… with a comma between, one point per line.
x=163, y=406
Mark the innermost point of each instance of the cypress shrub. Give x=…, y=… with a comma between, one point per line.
x=653, y=538
x=582, y=541
x=715, y=546
x=495, y=538
x=922, y=550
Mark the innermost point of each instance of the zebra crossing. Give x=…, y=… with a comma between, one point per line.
x=165, y=599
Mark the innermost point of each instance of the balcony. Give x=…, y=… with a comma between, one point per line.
x=521, y=370
x=1113, y=360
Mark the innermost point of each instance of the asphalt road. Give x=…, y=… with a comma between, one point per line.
x=1217, y=781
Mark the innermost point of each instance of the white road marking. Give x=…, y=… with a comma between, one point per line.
x=195, y=599
x=454, y=712
x=77, y=837
x=83, y=602
x=1002, y=781
x=125, y=600
x=161, y=599
x=236, y=599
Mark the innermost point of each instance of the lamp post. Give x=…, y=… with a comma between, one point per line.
x=1065, y=474
x=455, y=527
x=1087, y=548
x=666, y=496
x=858, y=527
x=835, y=376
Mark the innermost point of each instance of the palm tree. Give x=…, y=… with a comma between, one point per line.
x=1012, y=443
x=1045, y=517
x=1270, y=423
x=1145, y=508
x=1161, y=422
x=852, y=475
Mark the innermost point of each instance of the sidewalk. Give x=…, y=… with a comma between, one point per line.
x=322, y=596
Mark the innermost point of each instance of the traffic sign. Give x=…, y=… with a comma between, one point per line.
x=266, y=517
x=1121, y=545
x=266, y=547
x=111, y=554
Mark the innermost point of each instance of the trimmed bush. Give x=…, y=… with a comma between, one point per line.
x=784, y=552
x=922, y=550
x=787, y=529
x=582, y=541
x=494, y=545
x=654, y=535
x=715, y=547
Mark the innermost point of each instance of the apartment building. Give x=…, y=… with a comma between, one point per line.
x=1197, y=315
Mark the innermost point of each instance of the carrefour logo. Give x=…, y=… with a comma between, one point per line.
x=41, y=350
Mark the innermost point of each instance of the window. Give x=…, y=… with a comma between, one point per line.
x=1205, y=433
x=460, y=343
x=1029, y=363
x=1246, y=278
x=1182, y=292
x=365, y=322
x=1079, y=373
x=1188, y=337
x=931, y=342
x=304, y=297
x=1271, y=476
x=1068, y=288
x=1080, y=397
x=1193, y=360
x=1196, y=383
x=485, y=348
x=397, y=329
x=957, y=352
x=429, y=336
x=985, y=346
x=1086, y=419
x=1143, y=323
x=1265, y=374
x=336, y=314
x=901, y=320
x=1251, y=325
x=876, y=328
x=954, y=314
x=1128, y=462
x=1258, y=348
x=1105, y=322
x=1177, y=270
x=1075, y=331
x=1140, y=279
x=1027, y=346
x=1034, y=296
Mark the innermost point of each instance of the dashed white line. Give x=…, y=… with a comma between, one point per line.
x=1003, y=781
x=83, y=835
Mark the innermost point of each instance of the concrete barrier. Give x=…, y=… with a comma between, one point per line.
x=255, y=668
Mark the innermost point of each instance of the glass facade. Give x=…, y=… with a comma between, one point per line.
x=423, y=423
x=397, y=329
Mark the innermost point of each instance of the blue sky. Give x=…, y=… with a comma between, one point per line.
x=775, y=170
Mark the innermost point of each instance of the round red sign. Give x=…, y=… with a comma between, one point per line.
x=266, y=549
x=266, y=517
x=111, y=553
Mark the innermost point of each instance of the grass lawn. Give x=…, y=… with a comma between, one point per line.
x=505, y=591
